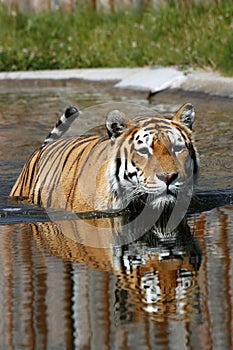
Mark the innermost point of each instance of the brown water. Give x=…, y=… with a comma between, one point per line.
x=59, y=293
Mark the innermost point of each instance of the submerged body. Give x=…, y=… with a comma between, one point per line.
x=152, y=159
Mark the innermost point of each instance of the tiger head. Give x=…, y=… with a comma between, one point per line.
x=154, y=157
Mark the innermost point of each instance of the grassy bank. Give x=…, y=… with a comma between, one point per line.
x=186, y=35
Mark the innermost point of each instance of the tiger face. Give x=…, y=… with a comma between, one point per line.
x=155, y=158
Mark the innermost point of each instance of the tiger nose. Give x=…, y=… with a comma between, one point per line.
x=168, y=178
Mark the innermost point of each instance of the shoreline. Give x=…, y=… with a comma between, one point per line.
x=148, y=79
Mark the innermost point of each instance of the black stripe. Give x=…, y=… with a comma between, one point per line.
x=131, y=175
x=60, y=122
x=39, y=197
x=157, y=122
x=194, y=157
x=22, y=181
x=185, y=137
x=75, y=179
x=126, y=163
x=158, y=127
x=118, y=165
x=33, y=170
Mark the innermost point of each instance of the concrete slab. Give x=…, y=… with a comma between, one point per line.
x=211, y=83
x=153, y=79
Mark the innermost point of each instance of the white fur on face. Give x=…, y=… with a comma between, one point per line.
x=142, y=143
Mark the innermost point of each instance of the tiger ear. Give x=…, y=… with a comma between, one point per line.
x=185, y=115
x=116, y=123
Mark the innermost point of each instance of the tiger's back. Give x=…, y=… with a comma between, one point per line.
x=50, y=175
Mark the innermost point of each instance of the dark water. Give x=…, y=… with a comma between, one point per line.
x=60, y=290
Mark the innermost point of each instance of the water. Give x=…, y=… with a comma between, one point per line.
x=58, y=292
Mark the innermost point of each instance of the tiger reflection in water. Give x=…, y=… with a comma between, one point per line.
x=155, y=276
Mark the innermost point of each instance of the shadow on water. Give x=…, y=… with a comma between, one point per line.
x=76, y=284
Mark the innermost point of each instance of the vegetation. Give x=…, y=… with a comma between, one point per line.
x=179, y=33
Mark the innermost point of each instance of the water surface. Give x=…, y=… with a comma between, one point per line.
x=59, y=291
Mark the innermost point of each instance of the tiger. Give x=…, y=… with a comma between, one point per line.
x=144, y=159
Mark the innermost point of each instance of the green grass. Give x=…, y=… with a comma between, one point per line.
x=198, y=35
